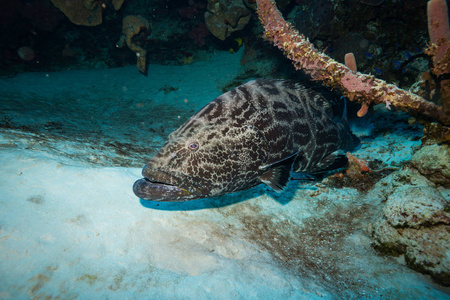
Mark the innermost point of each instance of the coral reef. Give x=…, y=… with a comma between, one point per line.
x=85, y=12
x=135, y=26
x=433, y=162
x=435, y=133
x=365, y=89
x=414, y=223
x=225, y=17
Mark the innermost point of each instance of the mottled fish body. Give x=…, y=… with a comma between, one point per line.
x=256, y=133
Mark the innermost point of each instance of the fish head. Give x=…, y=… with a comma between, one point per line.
x=202, y=161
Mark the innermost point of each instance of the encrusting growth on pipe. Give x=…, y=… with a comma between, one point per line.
x=356, y=86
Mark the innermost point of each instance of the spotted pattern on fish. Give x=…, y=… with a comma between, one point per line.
x=256, y=133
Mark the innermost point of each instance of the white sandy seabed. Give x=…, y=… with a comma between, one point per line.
x=71, y=227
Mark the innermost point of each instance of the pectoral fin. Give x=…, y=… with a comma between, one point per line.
x=276, y=178
x=278, y=173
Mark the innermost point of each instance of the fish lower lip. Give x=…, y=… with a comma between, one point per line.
x=158, y=191
x=161, y=185
x=158, y=182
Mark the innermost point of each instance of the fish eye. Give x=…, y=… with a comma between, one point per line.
x=193, y=146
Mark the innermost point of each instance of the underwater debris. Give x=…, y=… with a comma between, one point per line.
x=354, y=85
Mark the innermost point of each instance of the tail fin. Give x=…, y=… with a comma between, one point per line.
x=344, y=119
x=349, y=141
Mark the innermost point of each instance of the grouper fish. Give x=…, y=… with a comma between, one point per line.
x=257, y=133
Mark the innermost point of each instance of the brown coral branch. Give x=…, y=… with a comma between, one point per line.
x=132, y=26
x=356, y=86
x=85, y=12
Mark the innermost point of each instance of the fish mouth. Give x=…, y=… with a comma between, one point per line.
x=158, y=191
x=159, y=185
